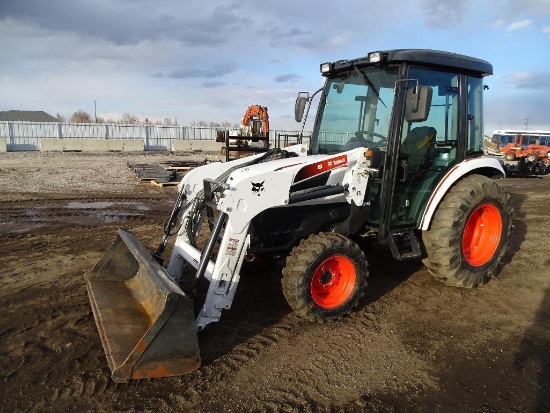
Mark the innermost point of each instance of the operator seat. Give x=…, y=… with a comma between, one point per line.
x=418, y=149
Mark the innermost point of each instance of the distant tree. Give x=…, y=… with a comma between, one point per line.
x=170, y=122
x=60, y=118
x=129, y=119
x=203, y=124
x=100, y=120
x=81, y=117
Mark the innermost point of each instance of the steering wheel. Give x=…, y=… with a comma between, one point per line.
x=358, y=140
x=359, y=135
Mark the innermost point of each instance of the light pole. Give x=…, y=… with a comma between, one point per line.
x=95, y=111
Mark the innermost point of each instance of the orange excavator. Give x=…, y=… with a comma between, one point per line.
x=255, y=122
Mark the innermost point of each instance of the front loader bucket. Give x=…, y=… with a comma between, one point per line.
x=145, y=321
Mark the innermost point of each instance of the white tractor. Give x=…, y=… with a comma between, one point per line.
x=395, y=158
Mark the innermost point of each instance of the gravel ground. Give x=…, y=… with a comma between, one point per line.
x=414, y=344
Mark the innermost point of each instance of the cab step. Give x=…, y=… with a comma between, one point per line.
x=404, y=246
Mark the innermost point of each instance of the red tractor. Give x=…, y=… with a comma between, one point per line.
x=520, y=147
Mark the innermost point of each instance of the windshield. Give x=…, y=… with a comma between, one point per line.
x=356, y=111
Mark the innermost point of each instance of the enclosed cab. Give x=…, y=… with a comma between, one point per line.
x=422, y=108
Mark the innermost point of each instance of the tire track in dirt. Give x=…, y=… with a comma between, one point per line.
x=283, y=382
x=60, y=351
x=85, y=373
x=45, y=340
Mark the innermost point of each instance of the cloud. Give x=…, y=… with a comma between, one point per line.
x=170, y=58
x=529, y=80
x=290, y=36
x=123, y=23
x=213, y=84
x=213, y=29
x=510, y=9
x=520, y=25
x=515, y=15
x=443, y=14
x=289, y=77
x=194, y=72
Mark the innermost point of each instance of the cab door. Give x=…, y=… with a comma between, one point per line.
x=428, y=148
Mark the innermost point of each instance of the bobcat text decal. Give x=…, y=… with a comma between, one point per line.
x=319, y=167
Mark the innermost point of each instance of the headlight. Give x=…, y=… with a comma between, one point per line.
x=327, y=67
x=375, y=57
x=373, y=157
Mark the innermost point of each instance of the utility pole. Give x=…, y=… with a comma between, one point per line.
x=526, y=124
x=95, y=111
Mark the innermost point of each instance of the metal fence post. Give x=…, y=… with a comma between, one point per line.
x=11, y=133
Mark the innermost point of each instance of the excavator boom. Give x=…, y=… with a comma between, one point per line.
x=257, y=112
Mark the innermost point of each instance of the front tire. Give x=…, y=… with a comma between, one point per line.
x=510, y=156
x=469, y=233
x=324, y=277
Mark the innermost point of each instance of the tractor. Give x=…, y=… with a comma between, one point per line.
x=395, y=159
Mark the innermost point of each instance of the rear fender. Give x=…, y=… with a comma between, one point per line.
x=482, y=164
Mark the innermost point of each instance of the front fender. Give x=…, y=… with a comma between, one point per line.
x=193, y=181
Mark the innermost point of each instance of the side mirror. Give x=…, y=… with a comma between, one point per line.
x=418, y=103
x=300, y=105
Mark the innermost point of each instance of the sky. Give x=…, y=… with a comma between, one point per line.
x=195, y=60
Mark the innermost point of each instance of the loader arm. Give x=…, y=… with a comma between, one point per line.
x=240, y=198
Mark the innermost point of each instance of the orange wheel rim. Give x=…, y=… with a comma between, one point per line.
x=482, y=235
x=333, y=282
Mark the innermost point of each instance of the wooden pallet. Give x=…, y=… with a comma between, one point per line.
x=190, y=164
x=179, y=168
x=164, y=184
x=162, y=176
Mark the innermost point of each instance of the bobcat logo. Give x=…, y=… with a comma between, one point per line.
x=257, y=187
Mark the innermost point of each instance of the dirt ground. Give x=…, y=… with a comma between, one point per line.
x=413, y=345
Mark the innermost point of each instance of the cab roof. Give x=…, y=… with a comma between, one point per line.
x=425, y=57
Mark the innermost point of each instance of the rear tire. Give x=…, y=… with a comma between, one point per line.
x=469, y=233
x=324, y=277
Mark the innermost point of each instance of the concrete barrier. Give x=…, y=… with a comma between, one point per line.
x=91, y=145
x=3, y=146
x=187, y=146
